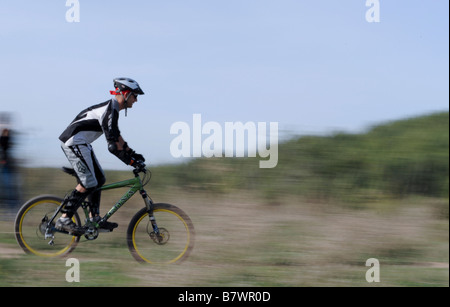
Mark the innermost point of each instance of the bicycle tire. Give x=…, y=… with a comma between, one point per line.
x=174, y=223
x=30, y=218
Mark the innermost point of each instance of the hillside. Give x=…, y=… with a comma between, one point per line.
x=395, y=159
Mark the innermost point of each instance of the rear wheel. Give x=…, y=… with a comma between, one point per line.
x=174, y=242
x=31, y=223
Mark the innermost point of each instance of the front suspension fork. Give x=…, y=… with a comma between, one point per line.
x=150, y=205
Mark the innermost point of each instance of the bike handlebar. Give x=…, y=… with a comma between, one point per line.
x=139, y=167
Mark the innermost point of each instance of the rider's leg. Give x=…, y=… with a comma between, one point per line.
x=94, y=199
x=81, y=159
x=95, y=196
x=90, y=176
x=73, y=201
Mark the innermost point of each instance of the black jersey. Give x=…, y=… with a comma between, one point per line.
x=92, y=122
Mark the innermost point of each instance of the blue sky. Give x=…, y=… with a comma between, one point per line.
x=313, y=66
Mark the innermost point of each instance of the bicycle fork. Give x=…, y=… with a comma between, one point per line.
x=150, y=206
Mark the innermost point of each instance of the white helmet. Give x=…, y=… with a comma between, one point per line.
x=127, y=84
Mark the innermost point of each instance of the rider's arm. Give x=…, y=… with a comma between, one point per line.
x=121, y=144
x=116, y=144
x=123, y=152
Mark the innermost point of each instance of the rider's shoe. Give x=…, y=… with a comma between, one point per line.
x=104, y=225
x=66, y=224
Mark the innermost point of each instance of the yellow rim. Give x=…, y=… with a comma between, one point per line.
x=185, y=248
x=61, y=252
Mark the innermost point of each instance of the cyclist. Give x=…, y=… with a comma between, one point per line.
x=76, y=144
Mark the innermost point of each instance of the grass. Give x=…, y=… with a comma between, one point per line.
x=243, y=241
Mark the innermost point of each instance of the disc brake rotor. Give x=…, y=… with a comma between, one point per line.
x=161, y=238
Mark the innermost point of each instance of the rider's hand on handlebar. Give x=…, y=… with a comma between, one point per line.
x=140, y=166
x=137, y=157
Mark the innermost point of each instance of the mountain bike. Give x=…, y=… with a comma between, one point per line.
x=158, y=233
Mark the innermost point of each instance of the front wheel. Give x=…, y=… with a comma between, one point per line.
x=31, y=228
x=174, y=242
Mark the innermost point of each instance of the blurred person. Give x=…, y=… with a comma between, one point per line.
x=8, y=188
x=4, y=146
x=76, y=140
x=5, y=178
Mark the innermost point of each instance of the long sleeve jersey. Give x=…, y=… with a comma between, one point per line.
x=92, y=122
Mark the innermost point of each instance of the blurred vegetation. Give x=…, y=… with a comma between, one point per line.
x=394, y=160
x=318, y=236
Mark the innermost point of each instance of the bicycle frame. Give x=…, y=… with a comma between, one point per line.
x=136, y=185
